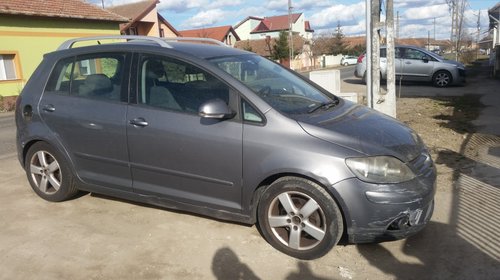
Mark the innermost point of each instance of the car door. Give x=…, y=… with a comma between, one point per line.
x=397, y=62
x=174, y=153
x=85, y=105
x=417, y=65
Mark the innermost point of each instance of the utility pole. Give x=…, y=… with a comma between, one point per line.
x=478, y=33
x=388, y=106
x=368, y=59
x=375, y=53
x=397, y=26
x=290, y=33
x=434, y=29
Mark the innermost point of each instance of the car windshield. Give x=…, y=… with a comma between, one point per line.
x=283, y=90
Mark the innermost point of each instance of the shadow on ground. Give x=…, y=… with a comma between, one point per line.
x=226, y=265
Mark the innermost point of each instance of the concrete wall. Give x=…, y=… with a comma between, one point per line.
x=29, y=38
x=329, y=60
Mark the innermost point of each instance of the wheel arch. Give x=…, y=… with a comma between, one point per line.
x=259, y=190
x=442, y=70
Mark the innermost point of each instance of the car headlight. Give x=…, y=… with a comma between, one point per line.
x=380, y=169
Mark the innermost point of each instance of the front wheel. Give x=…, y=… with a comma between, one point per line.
x=299, y=218
x=441, y=79
x=48, y=173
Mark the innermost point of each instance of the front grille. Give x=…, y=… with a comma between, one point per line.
x=423, y=165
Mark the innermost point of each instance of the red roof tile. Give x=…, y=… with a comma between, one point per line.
x=135, y=10
x=275, y=23
x=75, y=9
x=217, y=33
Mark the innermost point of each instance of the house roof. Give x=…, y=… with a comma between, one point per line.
x=164, y=21
x=308, y=26
x=495, y=13
x=134, y=10
x=275, y=23
x=247, y=19
x=217, y=33
x=74, y=9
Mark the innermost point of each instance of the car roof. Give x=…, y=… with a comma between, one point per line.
x=197, y=49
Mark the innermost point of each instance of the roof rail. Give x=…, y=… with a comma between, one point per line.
x=69, y=43
x=195, y=39
x=162, y=42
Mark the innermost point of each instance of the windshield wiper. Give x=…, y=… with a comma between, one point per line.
x=324, y=105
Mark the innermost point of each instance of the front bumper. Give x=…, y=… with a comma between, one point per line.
x=376, y=213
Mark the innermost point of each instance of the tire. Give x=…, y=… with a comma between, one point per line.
x=345, y=63
x=442, y=79
x=48, y=173
x=299, y=218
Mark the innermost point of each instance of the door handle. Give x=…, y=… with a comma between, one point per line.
x=139, y=122
x=49, y=108
x=408, y=62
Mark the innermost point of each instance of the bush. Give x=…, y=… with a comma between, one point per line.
x=467, y=57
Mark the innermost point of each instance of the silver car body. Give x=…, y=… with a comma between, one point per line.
x=417, y=64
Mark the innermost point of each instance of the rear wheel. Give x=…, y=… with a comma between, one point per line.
x=48, y=173
x=441, y=78
x=299, y=218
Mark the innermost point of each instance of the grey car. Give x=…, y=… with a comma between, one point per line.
x=223, y=133
x=417, y=64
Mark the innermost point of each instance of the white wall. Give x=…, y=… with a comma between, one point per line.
x=329, y=60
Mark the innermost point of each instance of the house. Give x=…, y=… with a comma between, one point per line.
x=494, y=14
x=252, y=28
x=31, y=28
x=225, y=34
x=144, y=19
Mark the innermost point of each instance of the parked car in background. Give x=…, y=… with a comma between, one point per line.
x=348, y=60
x=417, y=64
x=224, y=133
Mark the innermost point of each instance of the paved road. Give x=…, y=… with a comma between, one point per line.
x=7, y=135
x=347, y=72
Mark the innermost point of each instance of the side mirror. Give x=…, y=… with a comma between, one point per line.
x=425, y=59
x=215, y=109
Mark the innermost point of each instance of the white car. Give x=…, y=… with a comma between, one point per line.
x=348, y=60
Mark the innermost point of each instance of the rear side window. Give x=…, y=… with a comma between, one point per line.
x=90, y=76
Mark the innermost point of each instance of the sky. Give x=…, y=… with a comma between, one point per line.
x=416, y=17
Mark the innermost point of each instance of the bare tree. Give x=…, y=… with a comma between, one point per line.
x=457, y=10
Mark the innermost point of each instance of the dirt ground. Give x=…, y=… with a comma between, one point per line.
x=96, y=237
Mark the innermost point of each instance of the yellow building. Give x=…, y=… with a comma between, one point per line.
x=31, y=28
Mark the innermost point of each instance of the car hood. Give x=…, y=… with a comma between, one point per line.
x=453, y=62
x=364, y=130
